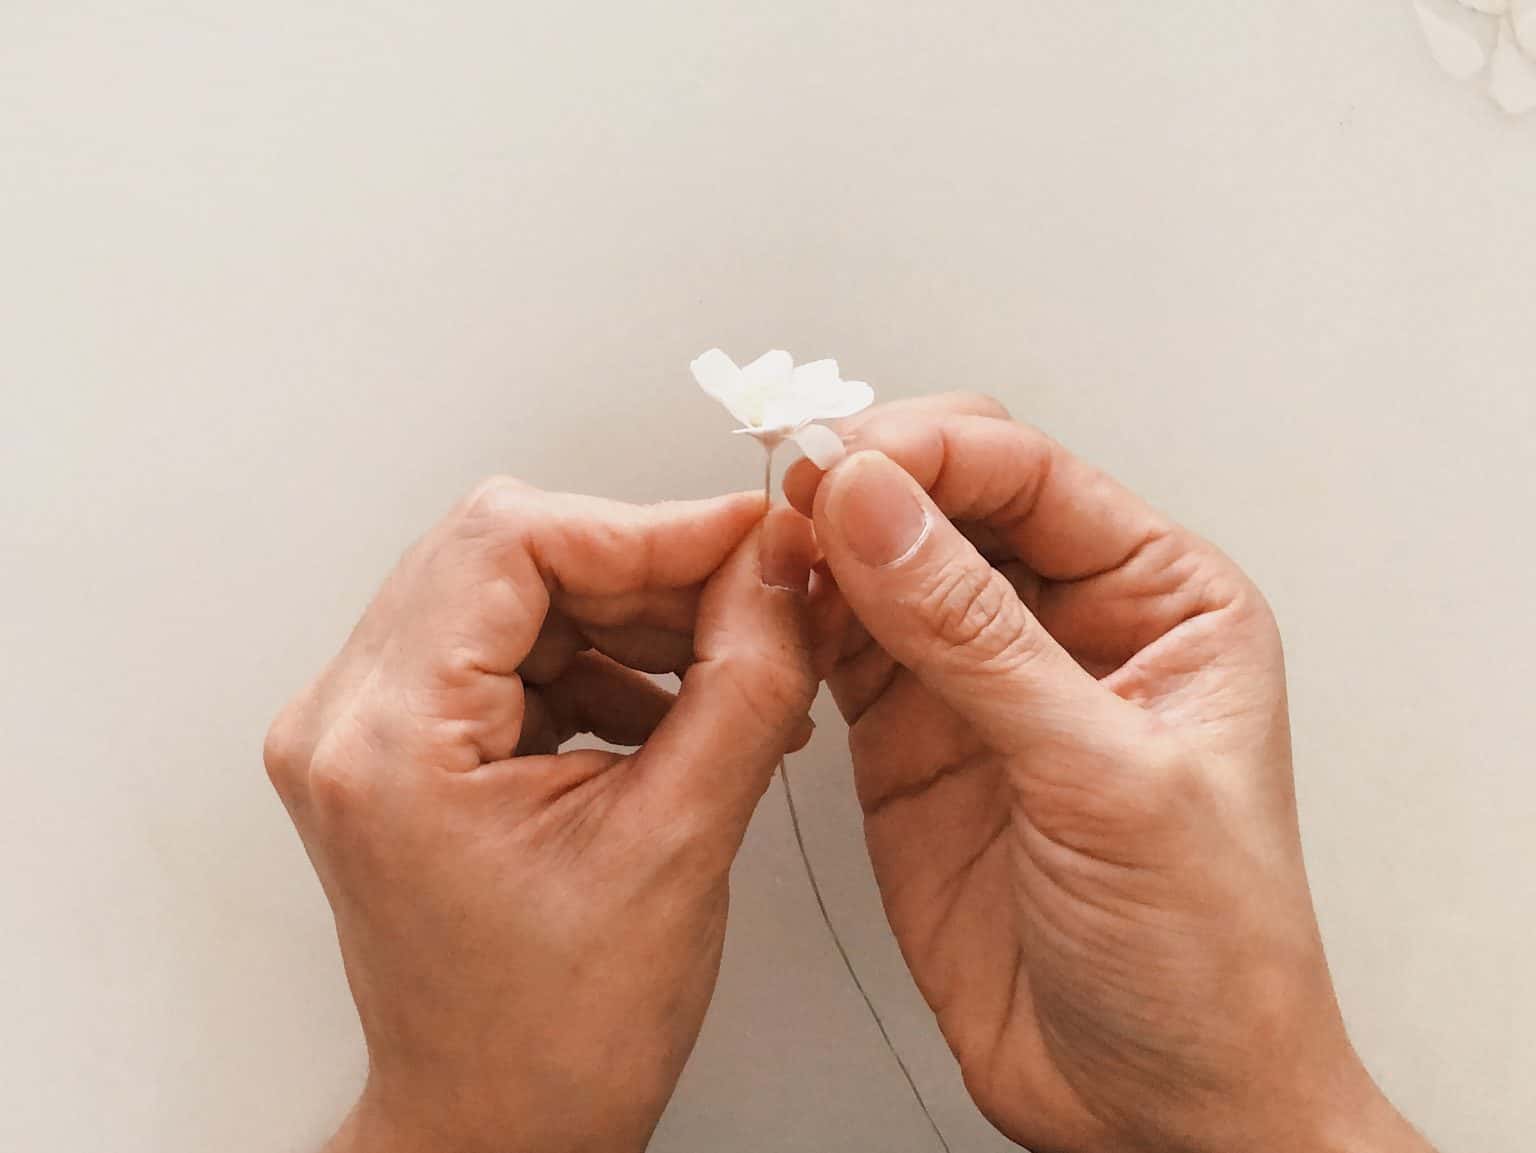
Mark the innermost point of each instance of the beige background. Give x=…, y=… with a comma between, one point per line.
x=278, y=280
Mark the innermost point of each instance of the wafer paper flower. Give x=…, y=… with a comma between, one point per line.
x=1492, y=40
x=775, y=401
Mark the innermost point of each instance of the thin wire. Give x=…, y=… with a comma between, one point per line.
x=821, y=904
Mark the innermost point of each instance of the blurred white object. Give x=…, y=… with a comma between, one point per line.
x=1492, y=40
x=775, y=401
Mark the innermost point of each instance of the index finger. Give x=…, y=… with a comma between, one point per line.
x=488, y=584
x=1063, y=518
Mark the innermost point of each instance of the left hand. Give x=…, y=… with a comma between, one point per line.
x=532, y=937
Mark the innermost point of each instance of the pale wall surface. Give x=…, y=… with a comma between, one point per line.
x=278, y=280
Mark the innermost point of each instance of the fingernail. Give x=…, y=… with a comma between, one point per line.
x=787, y=549
x=878, y=511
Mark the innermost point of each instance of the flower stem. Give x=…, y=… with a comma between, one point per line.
x=842, y=951
x=768, y=477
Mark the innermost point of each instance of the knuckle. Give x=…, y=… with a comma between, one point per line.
x=689, y=834
x=339, y=781
x=978, y=404
x=495, y=500
x=1254, y=607
x=285, y=750
x=1173, y=780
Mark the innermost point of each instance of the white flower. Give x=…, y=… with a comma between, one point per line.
x=775, y=401
x=1494, y=40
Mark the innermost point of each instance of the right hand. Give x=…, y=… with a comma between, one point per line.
x=1072, y=750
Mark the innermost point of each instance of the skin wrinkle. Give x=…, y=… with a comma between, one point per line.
x=1188, y=605
x=1134, y=680
x=965, y=607
x=670, y=609
x=1005, y=1023
x=952, y=892
x=1070, y=870
x=855, y=702
x=892, y=798
x=872, y=738
x=1003, y=516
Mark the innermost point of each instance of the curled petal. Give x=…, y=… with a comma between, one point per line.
x=816, y=392
x=844, y=399
x=1512, y=76
x=1455, y=45
x=718, y=375
x=1523, y=16
x=822, y=446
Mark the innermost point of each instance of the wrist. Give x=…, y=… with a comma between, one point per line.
x=378, y=1126
x=1373, y=1126
x=369, y=1128
x=1356, y=1117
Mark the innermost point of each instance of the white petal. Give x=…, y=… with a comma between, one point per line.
x=1523, y=16
x=817, y=374
x=785, y=406
x=1454, y=45
x=1512, y=76
x=771, y=370
x=1491, y=7
x=718, y=375
x=843, y=399
x=822, y=446
x=769, y=438
x=817, y=393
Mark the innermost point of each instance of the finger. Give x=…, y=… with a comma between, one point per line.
x=650, y=630
x=1063, y=518
x=539, y=736
x=836, y=633
x=921, y=409
x=802, y=477
x=801, y=735
x=664, y=608
x=557, y=645
x=936, y=606
x=895, y=760
x=488, y=586
x=744, y=700
x=860, y=679
x=650, y=650
x=602, y=697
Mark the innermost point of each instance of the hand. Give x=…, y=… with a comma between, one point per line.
x=1070, y=739
x=531, y=937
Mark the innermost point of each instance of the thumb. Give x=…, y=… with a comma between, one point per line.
x=931, y=601
x=745, y=699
